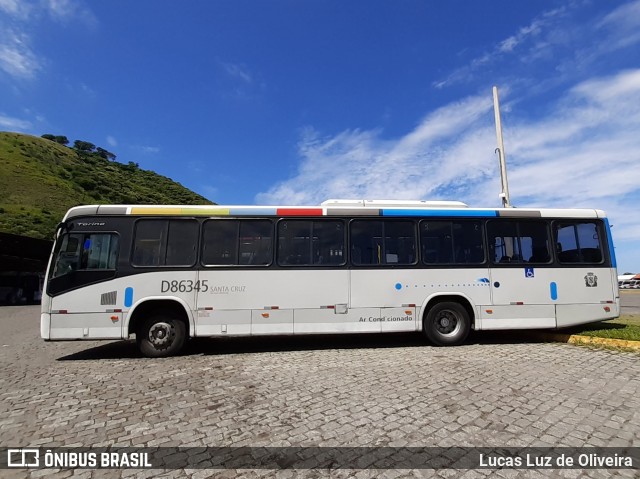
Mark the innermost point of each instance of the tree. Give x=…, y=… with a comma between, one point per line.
x=84, y=146
x=107, y=155
x=57, y=138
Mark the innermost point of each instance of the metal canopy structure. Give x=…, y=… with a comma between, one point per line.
x=23, y=254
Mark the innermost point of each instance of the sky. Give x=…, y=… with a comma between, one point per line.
x=289, y=102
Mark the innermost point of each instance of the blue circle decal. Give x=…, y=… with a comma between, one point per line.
x=398, y=286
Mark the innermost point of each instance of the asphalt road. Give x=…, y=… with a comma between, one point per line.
x=499, y=390
x=630, y=301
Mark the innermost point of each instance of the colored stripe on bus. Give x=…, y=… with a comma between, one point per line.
x=260, y=211
x=299, y=212
x=142, y=210
x=553, y=290
x=612, y=251
x=426, y=212
x=353, y=212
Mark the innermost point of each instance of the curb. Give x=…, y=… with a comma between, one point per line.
x=579, y=339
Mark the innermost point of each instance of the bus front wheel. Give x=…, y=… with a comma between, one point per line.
x=161, y=335
x=447, y=324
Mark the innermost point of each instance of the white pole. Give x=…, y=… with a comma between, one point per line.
x=502, y=157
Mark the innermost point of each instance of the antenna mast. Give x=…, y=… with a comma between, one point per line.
x=500, y=150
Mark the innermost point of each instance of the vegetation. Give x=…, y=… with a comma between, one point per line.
x=625, y=327
x=41, y=178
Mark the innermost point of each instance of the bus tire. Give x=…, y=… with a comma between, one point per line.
x=161, y=335
x=447, y=324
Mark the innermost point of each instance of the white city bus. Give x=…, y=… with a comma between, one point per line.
x=169, y=273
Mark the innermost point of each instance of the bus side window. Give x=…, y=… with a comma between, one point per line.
x=375, y=242
x=161, y=242
x=519, y=242
x=579, y=242
x=148, y=238
x=310, y=242
x=68, y=257
x=451, y=242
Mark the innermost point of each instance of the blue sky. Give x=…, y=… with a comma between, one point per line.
x=295, y=102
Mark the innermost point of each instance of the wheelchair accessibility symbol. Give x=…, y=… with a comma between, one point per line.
x=528, y=273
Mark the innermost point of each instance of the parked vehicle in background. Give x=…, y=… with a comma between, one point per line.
x=20, y=288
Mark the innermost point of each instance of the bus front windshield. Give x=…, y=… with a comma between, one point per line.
x=85, y=251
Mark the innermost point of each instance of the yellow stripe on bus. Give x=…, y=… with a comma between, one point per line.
x=180, y=211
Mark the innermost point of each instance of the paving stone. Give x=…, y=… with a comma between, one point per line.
x=299, y=392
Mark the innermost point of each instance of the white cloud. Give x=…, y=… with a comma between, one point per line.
x=526, y=42
x=149, y=150
x=15, y=8
x=238, y=72
x=362, y=164
x=111, y=141
x=14, y=124
x=16, y=55
x=555, y=39
x=70, y=10
x=623, y=24
x=584, y=153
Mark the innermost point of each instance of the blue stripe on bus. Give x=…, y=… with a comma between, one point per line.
x=553, y=290
x=452, y=212
x=252, y=211
x=612, y=252
x=128, y=297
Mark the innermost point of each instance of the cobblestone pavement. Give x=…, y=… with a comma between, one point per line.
x=496, y=391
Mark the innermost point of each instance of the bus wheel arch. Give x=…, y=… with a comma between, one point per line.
x=447, y=320
x=161, y=327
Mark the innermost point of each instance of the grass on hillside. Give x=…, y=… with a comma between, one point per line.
x=41, y=179
x=626, y=327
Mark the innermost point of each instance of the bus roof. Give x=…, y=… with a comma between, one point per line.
x=335, y=208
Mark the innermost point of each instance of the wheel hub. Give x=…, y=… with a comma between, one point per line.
x=447, y=323
x=161, y=335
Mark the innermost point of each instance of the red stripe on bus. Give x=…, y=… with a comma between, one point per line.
x=299, y=211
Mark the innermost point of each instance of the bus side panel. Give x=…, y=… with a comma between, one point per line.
x=86, y=326
x=573, y=314
x=238, y=301
x=584, y=295
x=79, y=314
x=179, y=286
x=521, y=298
x=101, y=310
x=397, y=291
x=230, y=322
x=363, y=320
x=518, y=316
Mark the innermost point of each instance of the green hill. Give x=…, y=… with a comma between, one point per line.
x=41, y=179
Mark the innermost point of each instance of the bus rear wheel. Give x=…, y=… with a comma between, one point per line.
x=447, y=324
x=161, y=335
